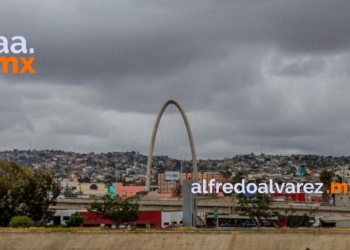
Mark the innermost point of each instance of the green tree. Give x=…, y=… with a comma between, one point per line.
x=238, y=177
x=26, y=192
x=295, y=220
x=69, y=193
x=326, y=178
x=259, y=207
x=339, y=179
x=75, y=220
x=115, y=209
x=226, y=173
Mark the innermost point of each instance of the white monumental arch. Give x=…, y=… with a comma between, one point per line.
x=153, y=139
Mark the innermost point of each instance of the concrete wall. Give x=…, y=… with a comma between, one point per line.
x=170, y=217
x=174, y=241
x=343, y=224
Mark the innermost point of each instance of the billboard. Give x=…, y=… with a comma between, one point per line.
x=171, y=176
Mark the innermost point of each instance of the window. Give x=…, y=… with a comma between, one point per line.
x=93, y=187
x=166, y=223
x=65, y=217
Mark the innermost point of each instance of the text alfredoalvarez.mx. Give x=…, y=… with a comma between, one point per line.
x=18, y=47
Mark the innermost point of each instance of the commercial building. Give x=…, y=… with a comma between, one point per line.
x=85, y=188
x=165, y=186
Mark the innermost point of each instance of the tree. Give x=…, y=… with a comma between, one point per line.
x=259, y=207
x=238, y=177
x=75, y=220
x=295, y=221
x=326, y=178
x=26, y=192
x=69, y=193
x=115, y=209
x=226, y=173
x=339, y=179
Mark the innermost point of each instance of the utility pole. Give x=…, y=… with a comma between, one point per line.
x=181, y=173
x=216, y=216
x=116, y=179
x=343, y=180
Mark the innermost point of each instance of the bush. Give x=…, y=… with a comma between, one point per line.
x=21, y=221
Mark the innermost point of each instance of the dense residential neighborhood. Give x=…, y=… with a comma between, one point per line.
x=131, y=166
x=100, y=180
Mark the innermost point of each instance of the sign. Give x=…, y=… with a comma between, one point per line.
x=171, y=176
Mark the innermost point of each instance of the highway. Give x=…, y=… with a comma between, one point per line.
x=225, y=206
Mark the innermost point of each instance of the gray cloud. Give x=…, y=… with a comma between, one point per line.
x=249, y=74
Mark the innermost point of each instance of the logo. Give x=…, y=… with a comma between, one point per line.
x=20, y=64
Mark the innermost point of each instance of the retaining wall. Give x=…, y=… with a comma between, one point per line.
x=174, y=241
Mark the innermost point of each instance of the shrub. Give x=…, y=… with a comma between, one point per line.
x=21, y=221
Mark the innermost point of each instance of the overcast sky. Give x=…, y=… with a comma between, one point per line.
x=249, y=73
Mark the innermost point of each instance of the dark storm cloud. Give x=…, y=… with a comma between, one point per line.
x=83, y=41
x=249, y=73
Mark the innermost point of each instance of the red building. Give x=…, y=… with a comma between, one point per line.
x=152, y=218
x=92, y=219
x=291, y=197
x=156, y=219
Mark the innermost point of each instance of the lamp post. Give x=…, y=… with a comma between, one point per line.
x=58, y=183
